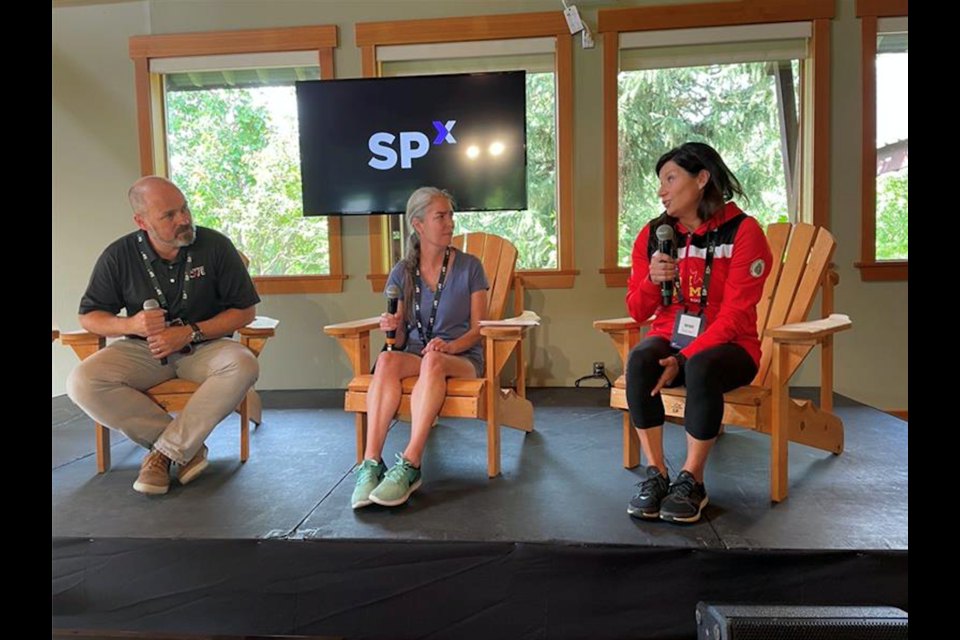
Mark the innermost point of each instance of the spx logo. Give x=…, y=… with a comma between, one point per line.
x=413, y=144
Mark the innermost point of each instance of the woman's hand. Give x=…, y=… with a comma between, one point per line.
x=438, y=345
x=670, y=371
x=663, y=268
x=389, y=321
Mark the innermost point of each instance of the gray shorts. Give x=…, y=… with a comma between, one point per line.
x=475, y=359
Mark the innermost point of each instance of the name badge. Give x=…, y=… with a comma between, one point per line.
x=686, y=327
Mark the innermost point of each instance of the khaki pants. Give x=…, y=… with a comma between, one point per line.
x=108, y=386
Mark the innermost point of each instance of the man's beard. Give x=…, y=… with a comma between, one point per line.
x=185, y=236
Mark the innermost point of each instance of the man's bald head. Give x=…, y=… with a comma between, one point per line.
x=143, y=191
x=160, y=209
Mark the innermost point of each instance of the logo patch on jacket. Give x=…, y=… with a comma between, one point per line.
x=757, y=267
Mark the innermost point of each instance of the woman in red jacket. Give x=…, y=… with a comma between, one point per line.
x=703, y=291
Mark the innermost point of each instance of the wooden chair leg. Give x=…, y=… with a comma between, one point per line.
x=521, y=371
x=102, y=437
x=360, y=420
x=493, y=422
x=254, y=407
x=826, y=375
x=780, y=428
x=493, y=447
x=631, y=443
x=244, y=429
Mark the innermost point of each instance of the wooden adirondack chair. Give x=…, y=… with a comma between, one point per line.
x=801, y=267
x=480, y=398
x=173, y=394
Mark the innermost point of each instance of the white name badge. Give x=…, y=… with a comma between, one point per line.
x=686, y=327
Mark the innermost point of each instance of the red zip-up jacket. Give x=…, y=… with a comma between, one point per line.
x=741, y=264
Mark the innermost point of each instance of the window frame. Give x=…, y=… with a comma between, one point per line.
x=871, y=269
x=370, y=35
x=151, y=122
x=814, y=165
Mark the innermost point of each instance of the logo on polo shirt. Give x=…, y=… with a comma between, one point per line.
x=196, y=272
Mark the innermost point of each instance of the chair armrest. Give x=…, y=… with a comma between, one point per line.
x=811, y=331
x=353, y=328
x=620, y=324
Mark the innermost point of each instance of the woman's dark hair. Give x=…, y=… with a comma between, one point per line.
x=694, y=157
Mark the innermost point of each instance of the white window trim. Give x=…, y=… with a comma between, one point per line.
x=892, y=25
x=271, y=60
x=716, y=35
x=478, y=49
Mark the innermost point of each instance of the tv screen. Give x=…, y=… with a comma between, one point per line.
x=367, y=144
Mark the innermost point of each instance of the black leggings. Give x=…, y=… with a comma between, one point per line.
x=707, y=375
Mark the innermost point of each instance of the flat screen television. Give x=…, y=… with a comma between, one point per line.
x=367, y=144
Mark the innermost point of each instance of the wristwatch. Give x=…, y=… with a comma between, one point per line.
x=196, y=335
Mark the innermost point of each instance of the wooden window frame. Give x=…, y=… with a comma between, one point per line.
x=370, y=35
x=613, y=22
x=151, y=125
x=868, y=11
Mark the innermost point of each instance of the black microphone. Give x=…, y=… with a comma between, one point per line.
x=149, y=305
x=393, y=296
x=665, y=241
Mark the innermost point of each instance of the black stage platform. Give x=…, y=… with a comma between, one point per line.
x=544, y=551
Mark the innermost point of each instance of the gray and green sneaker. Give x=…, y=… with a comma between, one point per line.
x=400, y=481
x=369, y=473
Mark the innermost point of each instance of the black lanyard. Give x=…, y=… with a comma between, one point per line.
x=162, y=299
x=707, y=270
x=436, y=300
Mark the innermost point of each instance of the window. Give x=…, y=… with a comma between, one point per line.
x=216, y=113
x=538, y=43
x=534, y=230
x=884, y=140
x=891, y=144
x=233, y=147
x=735, y=108
x=753, y=83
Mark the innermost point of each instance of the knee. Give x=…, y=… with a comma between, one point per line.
x=388, y=364
x=642, y=363
x=432, y=366
x=700, y=372
x=247, y=367
x=80, y=384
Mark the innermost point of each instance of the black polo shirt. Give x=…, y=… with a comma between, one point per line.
x=218, y=279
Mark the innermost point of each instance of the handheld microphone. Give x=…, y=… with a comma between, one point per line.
x=665, y=237
x=149, y=305
x=393, y=296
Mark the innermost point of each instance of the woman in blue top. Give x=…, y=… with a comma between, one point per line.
x=443, y=299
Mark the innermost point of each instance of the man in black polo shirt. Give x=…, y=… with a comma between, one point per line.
x=203, y=294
